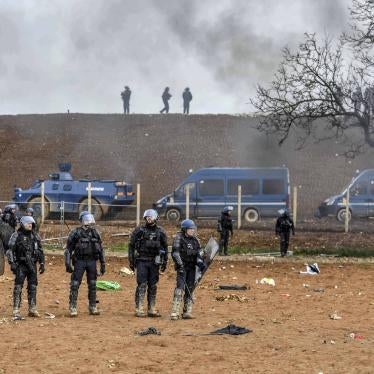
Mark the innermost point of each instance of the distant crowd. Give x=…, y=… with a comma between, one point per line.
x=166, y=96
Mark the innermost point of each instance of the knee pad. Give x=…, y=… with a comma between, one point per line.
x=74, y=285
x=92, y=284
x=31, y=287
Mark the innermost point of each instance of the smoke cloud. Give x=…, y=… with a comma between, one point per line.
x=78, y=55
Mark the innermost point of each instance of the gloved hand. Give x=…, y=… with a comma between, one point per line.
x=132, y=267
x=13, y=267
x=102, y=268
x=41, y=268
x=163, y=267
x=201, y=266
x=69, y=268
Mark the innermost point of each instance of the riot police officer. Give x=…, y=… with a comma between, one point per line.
x=83, y=249
x=25, y=250
x=30, y=212
x=148, y=252
x=186, y=254
x=283, y=227
x=9, y=216
x=225, y=227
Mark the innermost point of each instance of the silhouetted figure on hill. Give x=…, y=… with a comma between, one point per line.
x=126, y=100
x=165, y=98
x=187, y=98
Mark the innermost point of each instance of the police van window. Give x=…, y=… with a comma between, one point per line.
x=55, y=186
x=359, y=188
x=211, y=187
x=67, y=187
x=372, y=187
x=249, y=186
x=273, y=186
x=181, y=191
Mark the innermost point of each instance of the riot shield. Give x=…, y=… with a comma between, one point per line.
x=209, y=252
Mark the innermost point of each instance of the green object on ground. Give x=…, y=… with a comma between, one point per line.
x=107, y=285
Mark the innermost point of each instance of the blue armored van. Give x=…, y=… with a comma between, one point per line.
x=61, y=187
x=264, y=192
x=361, y=199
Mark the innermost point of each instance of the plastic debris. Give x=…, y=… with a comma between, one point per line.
x=318, y=289
x=126, y=271
x=269, y=281
x=231, y=330
x=352, y=335
x=49, y=315
x=235, y=287
x=311, y=269
x=232, y=297
x=103, y=285
x=335, y=316
x=149, y=331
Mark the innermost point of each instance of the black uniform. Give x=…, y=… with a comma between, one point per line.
x=83, y=249
x=283, y=228
x=25, y=251
x=165, y=99
x=126, y=100
x=148, y=251
x=10, y=218
x=186, y=255
x=187, y=98
x=5, y=233
x=224, y=227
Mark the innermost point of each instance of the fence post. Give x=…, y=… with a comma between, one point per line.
x=187, y=201
x=294, y=206
x=42, y=202
x=89, y=196
x=239, y=207
x=62, y=220
x=138, y=204
x=346, y=221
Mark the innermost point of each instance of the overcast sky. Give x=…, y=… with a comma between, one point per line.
x=78, y=54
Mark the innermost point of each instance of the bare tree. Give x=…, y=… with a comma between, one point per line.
x=325, y=88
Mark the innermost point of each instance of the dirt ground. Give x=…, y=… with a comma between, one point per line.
x=292, y=329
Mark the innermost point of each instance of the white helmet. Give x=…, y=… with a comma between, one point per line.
x=88, y=219
x=26, y=220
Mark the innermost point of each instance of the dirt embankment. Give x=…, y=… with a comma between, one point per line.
x=159, y=150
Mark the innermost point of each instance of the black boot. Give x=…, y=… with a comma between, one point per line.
x=92, y=298
x=139, y=300
x=74, y=286
x=31, y=293
x=152, y=311
x=17, y=293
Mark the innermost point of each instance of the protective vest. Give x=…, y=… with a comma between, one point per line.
x=189, y=249
x=148, y=242
x=26, y=247
x=285, y=224
x=88, y=245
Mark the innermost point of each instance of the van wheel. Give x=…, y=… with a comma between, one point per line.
x=36, y=204
x=251, y=215
x=173, y=215
x=341, y=215
x=96, y=209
